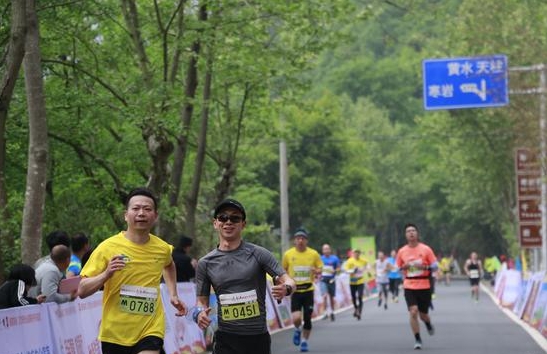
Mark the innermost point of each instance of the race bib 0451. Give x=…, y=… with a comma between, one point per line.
x=239, y=306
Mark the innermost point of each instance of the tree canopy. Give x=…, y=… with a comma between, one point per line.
x=192, y=98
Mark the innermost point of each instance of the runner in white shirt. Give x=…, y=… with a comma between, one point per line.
x=382, y=266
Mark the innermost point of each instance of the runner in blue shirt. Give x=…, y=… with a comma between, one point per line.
x=331, y=267
x=395, y=277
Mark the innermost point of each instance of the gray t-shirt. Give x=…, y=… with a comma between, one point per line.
x=48, y=277
x=238, y=278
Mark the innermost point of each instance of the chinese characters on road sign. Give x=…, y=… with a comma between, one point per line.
x=465, y=82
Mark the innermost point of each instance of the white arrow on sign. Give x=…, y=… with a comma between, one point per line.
x=473, y=88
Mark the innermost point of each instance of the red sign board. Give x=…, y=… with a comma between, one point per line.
x=526, y=160
x=528, y=176
x=529, y=184
x=530, y=235
x=529, y=210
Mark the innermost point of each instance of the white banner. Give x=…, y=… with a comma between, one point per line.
x=25, y=330
x=75, y=325
x=72, y=328
x=182, y=335
x=509, y=288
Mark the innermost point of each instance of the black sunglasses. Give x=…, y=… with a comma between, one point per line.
x=233, y=218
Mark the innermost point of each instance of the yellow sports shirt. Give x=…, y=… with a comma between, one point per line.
x=132, y=307
x=301, y=266
x=356, y=269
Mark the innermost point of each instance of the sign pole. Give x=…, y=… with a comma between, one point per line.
x=284, y=195
x=542, y=91
x=543, y=148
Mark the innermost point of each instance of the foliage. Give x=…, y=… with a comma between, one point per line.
x=339, y=81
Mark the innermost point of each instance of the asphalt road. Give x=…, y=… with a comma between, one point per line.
x=461, y=325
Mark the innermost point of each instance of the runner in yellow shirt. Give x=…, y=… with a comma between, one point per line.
x=303, y=264
x=356, y=266
x=444, y=269
x=130, y=265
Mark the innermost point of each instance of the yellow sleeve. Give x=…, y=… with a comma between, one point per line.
x=318, y=262
x=348, y=265
x=285, y=262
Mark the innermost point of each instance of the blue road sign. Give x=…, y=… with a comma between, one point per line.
x=452, y=83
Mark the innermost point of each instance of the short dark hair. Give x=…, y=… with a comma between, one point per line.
x=78, y=242
x=144, y=192
x=23, y=272
x=409, y=224
x=184, y=242
x=57, y=237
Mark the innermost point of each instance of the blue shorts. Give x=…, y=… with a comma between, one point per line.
x=328, y=286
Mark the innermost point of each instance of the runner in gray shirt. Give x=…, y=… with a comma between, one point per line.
x=236, y=270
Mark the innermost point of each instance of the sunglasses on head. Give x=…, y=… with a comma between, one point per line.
x=233, y=218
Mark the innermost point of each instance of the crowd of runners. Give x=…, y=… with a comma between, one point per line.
x=129, y=266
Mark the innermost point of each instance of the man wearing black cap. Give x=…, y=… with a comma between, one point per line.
x=303, y=264
x=237, y=270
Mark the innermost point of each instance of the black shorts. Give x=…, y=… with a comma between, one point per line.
x=147, y=343
x=230, y=343
x=302, y=302
x=420, y=298
x=474, y=281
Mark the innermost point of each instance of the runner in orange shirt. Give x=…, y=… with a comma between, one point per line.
x=417, y=261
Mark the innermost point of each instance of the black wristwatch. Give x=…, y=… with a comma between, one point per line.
x=288, y=290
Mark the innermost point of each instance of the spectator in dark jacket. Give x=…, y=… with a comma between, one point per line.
x=186, y=265
x=14, y=291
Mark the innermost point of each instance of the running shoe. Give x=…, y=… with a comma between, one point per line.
x=385, y=306
x=332, y=316
x=431, y=330
x=417, y=345
x=296, y=337
x=379, y=302
x=304, y=347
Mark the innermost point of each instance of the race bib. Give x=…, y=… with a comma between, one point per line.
x=302, y=274
x=415, y=269
x=357, y=274
x=138, y=300
x=239, y=306
x=474, y=273
x=328, y=271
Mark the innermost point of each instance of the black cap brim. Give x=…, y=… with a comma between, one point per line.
x=230, y=203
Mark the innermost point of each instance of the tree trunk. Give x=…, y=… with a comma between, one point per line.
x=227, y=160
x=14, y=58
x=181, y=147
x=193, y=193
x=157, y=140
x=31, y=230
